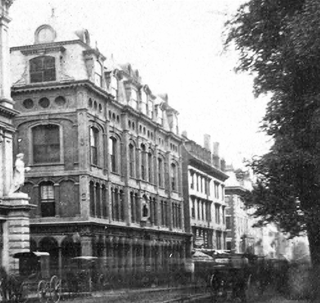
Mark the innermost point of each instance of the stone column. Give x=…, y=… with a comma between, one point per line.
x=16, y=228
x=5, y=94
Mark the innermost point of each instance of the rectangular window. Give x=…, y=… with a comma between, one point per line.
x=216, y=190
x=47, y=201
x=193, y=211
x=160, y=172
x=42, y=69
x=113, y=154
x=218, y=237
x=228, y=222
x=46, y=144
x=217, y=213
x=94, y=145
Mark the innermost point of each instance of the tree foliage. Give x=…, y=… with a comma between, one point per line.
x=279, y=43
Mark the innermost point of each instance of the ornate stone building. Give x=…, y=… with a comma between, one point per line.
x=14, y=209
x=105, y=157
x=203, y=189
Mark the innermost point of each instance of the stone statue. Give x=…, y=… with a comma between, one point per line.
x=18, y=174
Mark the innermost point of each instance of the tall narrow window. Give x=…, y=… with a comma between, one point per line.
x=131, y=161
x=113, y=154
x=160, y=172
x=104, y=202
x=217, y=213
x=143, y=162
x=46, y=143
x=193, y=212
x=173, y=177
x=132, y=206
x=150, y=166
x=48, y=206
x=42, y=69
x=94, y=145
x=92, y=200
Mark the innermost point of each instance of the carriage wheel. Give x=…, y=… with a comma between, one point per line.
x=24, y=292
x=55, y=289
x=42, y=291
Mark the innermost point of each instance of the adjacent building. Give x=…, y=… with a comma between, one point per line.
x=240, y=233
x=105, y=157
x=14, y=208
x=204, y=194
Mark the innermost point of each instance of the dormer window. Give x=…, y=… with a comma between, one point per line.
x=98, y=73
x=42, y=69
x=144, y=101
x=114, y=86
x=134, y=99
x=150, y=109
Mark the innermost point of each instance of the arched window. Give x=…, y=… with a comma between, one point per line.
x=46, y=143
x=143, y=162
x=94, y=135
x=131, y=161
x=174, y=184
x=42, y=69
x=113, y=149
x=48, y=205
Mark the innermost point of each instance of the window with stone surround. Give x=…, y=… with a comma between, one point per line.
x=42, y=69
x=48, y=206
x=94, y=137
x=46, y=143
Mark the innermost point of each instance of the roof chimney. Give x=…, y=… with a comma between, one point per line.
x=184, y=134
x=207, y=142
x=215, y=156
x=216, y=148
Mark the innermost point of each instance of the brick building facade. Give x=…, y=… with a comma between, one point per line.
x=105, y=157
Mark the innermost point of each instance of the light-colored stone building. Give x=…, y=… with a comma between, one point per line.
x=203, y=189
x=240, y=234
x=105, y=157
x=14, y=208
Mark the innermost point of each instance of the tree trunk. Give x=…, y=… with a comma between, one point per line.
x=314, y=245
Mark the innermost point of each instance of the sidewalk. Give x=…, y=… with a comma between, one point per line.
x=169, y=295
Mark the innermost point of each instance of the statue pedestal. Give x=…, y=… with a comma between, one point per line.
x=16, y=199
x=16, y=227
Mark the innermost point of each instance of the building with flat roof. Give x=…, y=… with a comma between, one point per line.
x=203, y=190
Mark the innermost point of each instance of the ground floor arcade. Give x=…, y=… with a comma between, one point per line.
x=119, y=250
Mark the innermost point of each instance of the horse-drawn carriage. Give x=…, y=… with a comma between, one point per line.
x=228, y=276
x=32, y=280
x=83, y=275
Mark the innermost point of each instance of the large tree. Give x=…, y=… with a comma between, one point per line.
x=279, y=43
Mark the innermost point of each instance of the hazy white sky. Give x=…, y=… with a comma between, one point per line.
x=177, y=47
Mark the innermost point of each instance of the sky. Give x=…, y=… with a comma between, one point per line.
x=177, y=46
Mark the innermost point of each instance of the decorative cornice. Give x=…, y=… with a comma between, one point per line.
x=43, y=50
x=47, y=45
x=16, y=90
x=7, y=112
